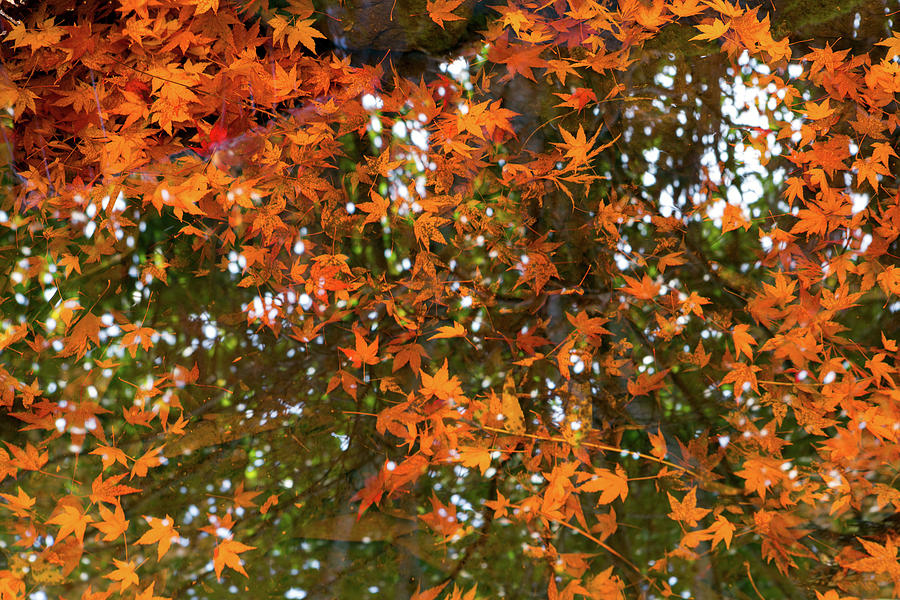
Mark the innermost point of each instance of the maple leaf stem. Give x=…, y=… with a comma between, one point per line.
x=753, y=583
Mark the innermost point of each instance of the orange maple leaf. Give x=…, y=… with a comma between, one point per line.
x=226, y=555
x=364, y=353
x=109, y=490
x=685, y=8
x=29, y=459
x=722, y=531
x=83, y=333
x=686, y=510
x=244, y=499
x=148, y=460
x=645, y=289
x=451, y=331
x=20, y=504
x=124, y=573
x=578, y=99
x=518, y=58
x=658, y=443
x=733, y=217
x=443, y=520
x=148, y=594
x=742, y=374
x=577, y=147
x=610, y=485
x=440, y=384
x=817, y=112
x=742, y=341
x=442, y=10
x=71, y=519
x=409, y=354
x=271, y=501
x=711, y=31
x=162, y=532
x=893, y=45
x=430, y=593
x=376, y=209
x=646, y=383
x=113, y=523
x=301, y=32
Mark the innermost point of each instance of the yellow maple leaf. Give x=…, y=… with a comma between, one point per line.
x=711, y=31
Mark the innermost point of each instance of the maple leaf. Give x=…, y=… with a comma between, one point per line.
x=440, y=384
x=376, y=209
x=426, y=229
x=686, y=510
x=760, y=474
x=162, y=532
x=742, y=341
x=893, y=45
x=817, y=112
x=71, y=519
x=213, y=140
x=450, y=331
x=363, y=353
x=518, y=58
x=610, y=485
x=430, y=593
x=473, y=456
x=148, y=594
x=833, y=595
x=13, y=335
x=881, y=559
x=672, y=259
x=110, y=455
x=83, y=333
x=29, y=459
x=443, y=520
x=711, y=31
x=71, y=263
x=646, y=383
x=410, y=354
x=658, y=443
x=442, y=10
x=645, y=289
x=301, y=32
x=740, y=375
x=45, y=35
x=722, y=531
x=124, y=573
x=20, y=504
x=590, y=327
x=700, y=357
x=880, y=369
x=113, y=524
x=242, y=498
x=794, y=189
x=694, y=303
x=226, y=555
x=202, y=7
x=733, y=217
x=7, y=469
x=577, y=147
x=511, y=410
x=578, y=99
x=149, y=460
x=685, y=8
x=109, y=490
x=271, y=501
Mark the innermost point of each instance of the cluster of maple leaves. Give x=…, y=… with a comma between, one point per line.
x=234, y=128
